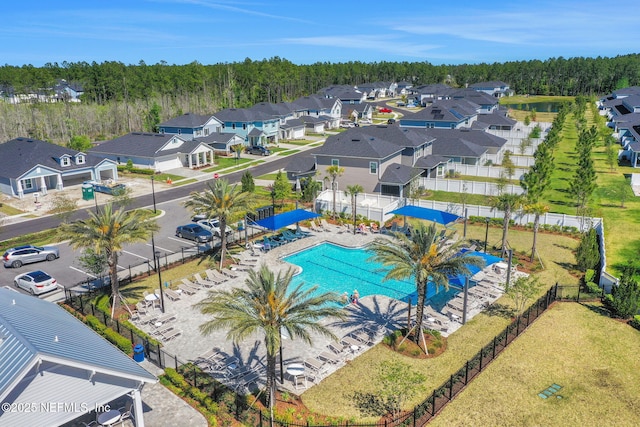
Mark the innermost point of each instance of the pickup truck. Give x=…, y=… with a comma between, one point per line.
x=107, y=187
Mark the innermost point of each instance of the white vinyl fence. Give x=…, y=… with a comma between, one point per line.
x=470, y=187
x=486, y=171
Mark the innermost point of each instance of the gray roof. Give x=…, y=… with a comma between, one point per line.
x=446, y=110
x=20, y=155
x=497, y=118
x=431, y=161
x=301, y=165
x=354, y=143
x=32, y=329
x=242, y=115
x=433, y=89
x=404, y=137
x=148, y=145
x=634, y=146
x=292, y=123
x=255, y=132
x=492, y=84
x=477, y=137
x=314, y=102
x=397, y=173
x=480, y=98
x=313, y=119
x=627, y=91
x=280, y=109
x=187, y=120
x=457, y=147
x=217, y=137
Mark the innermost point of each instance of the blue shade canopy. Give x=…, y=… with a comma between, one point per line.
x=279, y=221
x=440, y=217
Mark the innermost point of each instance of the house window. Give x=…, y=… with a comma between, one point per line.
x=223, y=126
x=373, y=167
x=80, y=160
x=440, y=171
x=233, y=126
x=244, y=126
x=206, y=131
x=453, y=126
x=335, y=162
x=65, y=161
x=162, y=131
x=27, y=184
x=179, y=131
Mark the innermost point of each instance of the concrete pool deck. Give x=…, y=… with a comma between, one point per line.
x=375, y=311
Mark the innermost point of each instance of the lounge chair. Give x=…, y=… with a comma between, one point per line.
x=330, y=356
x=207, y=283
x=301, y=233
x=244, y=382
x=186, y=289
x=171, y=294
x=216, y=276
x=314, y=226
x=287, y=234
x=167, y=317
x=362, y=229
x=240, y=267
x=374, y=228
x=318, y=369
x=230, y=273
x=171, y=335
x=191, y=284
x=324, y=224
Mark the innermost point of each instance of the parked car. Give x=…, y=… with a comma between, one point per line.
x=36, y=282
x=194, y=232
x=213, y=225
x=16, y=257
x=391, y=121
x=259, y=150
x=385, y=110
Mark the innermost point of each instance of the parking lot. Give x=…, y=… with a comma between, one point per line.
x=68, y=271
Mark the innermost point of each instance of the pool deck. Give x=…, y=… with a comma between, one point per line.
x=371, y=312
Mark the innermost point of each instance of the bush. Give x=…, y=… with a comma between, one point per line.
x=112, y=336
x=635, y=322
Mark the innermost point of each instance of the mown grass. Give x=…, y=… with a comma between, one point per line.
x=332, y=395
x=9, y=210
x=594, y=359
x=301, y=142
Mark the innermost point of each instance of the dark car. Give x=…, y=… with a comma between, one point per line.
x=16, y=257
x=259, y=150
x=194, y=232
x=391, y=121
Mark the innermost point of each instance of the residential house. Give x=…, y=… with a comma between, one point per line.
x=493, y=88
x=327, y=109
x=427, y=94
x=467, y=146
x=190, y=126
x=33, y=166
x=444, y=114
x=496, y=121
x=254, y=126
x=488, y=104
x=222, y=143
x=68, y=91
x=377, y=90
x=292, y=129
x=51, y=359
x=357, y=112
x=345, y=93
x=301, y=167
x=156, y=151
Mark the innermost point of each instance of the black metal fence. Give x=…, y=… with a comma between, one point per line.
x=442, y=395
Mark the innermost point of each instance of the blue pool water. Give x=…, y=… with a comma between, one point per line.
x=338, y=269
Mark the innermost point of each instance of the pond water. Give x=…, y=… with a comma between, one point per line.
x=541, y=107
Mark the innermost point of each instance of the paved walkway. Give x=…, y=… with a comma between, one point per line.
x=373, y=312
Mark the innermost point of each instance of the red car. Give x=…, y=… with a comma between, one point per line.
x=385, y=110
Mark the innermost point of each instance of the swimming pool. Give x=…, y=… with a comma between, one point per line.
x=338, y=269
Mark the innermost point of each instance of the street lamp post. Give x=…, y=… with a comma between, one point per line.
x=156, y=264
x=486, y=234
x=153, y=193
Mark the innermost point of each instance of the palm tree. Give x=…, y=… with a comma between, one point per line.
x=353, y=191
x=537, y=209
x=425, y=257
x=508, y=203
x=106, y=232
x=224, y=201
x=333, y=172
x=269, y=305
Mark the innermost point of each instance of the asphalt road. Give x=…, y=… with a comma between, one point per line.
x=67, y=269
x=44, y=223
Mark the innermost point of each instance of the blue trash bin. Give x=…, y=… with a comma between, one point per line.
x=138, y=353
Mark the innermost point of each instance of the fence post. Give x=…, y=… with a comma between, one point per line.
x=433, y=408
x=182, y=256
x=451, y=387
x=494, y=348
x=480, y=365
x=466, y=371
x=518, y=326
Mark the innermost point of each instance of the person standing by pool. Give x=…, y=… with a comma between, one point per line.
x=355, y=296
x=345, y=298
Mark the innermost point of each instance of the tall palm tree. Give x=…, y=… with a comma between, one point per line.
x=269, y=305
x=537, y=209
x=353, y=191
x=106, y=232
x=425, y=257
x=333, y=172
x=507, y=203
x=224, y=201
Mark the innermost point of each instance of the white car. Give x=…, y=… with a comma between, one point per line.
x=36, y=282
x=213, y=225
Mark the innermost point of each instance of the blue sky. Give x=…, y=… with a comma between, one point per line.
x=306, y=31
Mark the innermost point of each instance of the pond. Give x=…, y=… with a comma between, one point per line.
x=540, y=107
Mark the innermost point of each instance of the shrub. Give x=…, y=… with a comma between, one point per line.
x=112, y=336
x=635, y=322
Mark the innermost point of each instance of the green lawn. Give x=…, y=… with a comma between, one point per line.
x=331, y=396
x=9, y=210
x=594, y=359
x=301, y=142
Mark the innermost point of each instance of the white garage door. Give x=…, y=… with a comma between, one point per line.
x=165, y=165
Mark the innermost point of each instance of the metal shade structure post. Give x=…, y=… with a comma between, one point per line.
x=486, y=234
x=509, y=267
x=466, y=298
x=156, y=263
x=153, y=193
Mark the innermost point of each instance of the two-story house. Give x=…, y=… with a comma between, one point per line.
x=254, y=126
x=444, y=114
x=190, y=126
x=494, y=88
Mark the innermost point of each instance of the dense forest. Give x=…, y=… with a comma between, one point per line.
x=119, y=98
